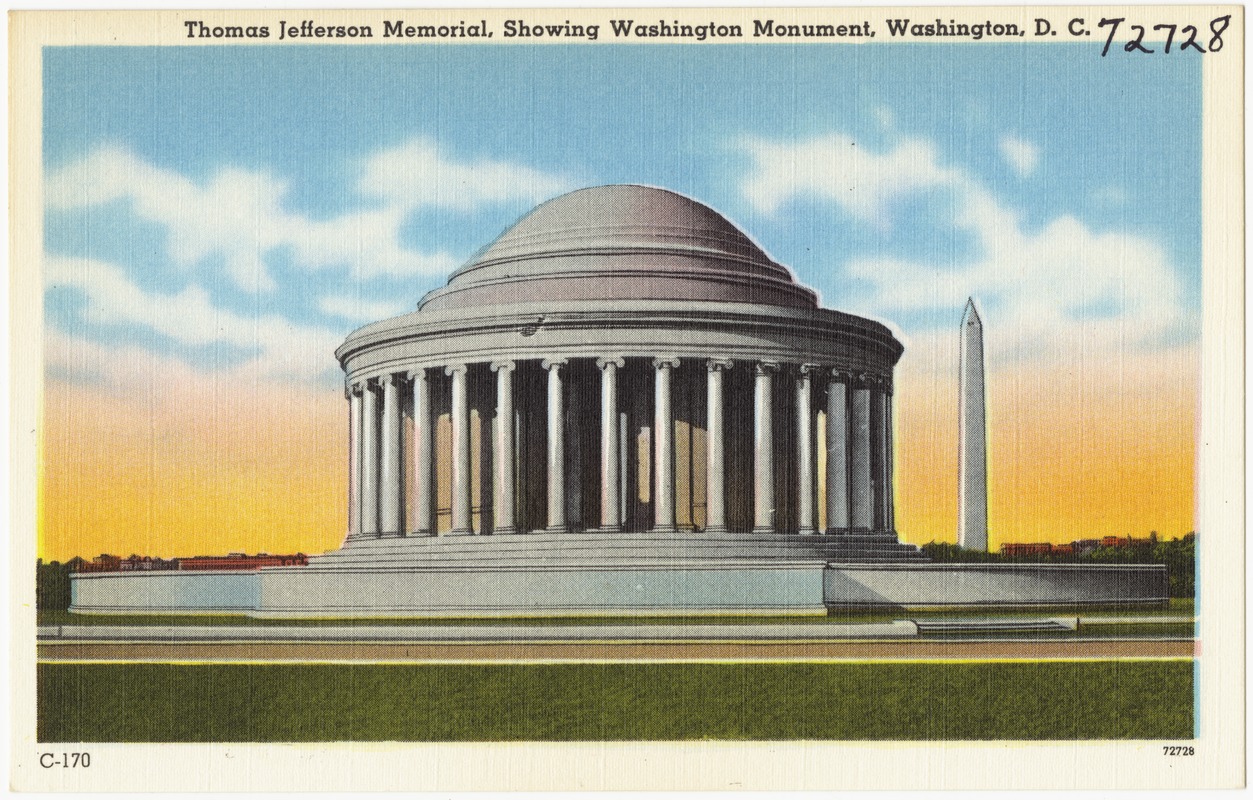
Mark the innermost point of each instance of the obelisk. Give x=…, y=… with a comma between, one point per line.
x=972, y=453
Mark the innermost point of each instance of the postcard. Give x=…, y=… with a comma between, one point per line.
x=627, y=399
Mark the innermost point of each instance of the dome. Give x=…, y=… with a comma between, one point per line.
x=621, y=243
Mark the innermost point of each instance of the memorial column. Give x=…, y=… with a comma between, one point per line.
x=423, y=510
x=354, y=460
x=715, y=448
x=890, y=455
x=883, y=462
x=391, y=488
x=461, y=523
x=556, y=447
x=502, y=452
x=610, y=474
x=804, y=451
x=861, y=494
x=837, y=453
x=370, y=461
x=663, y=455
x=763, y=448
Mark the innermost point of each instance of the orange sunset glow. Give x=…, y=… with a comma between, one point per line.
x=185, y=467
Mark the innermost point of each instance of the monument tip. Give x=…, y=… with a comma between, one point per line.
x=971, y=313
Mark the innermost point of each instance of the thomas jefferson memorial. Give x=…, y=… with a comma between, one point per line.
x=622, y=405
x=623, y=359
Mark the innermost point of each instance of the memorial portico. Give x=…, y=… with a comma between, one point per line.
x=857, y=495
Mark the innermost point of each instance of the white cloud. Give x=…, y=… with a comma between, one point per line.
x=1057, y=290
x=838, y=168
x=416, y=174
x=279, y=347
x=359, y=310
x=242, y=215
x=886, y=119
x=1022, y=155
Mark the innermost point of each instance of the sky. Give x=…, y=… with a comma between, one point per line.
x=218, y=219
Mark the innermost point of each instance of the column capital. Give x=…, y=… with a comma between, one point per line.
x=766, y=367
x=714, y=364
x=811, y=369
x=507, y=365
x=453, y=369
x=841, y=375
x=874, y=381
x=666, y=361
x=553, y=363
x=415, y=374
x=354, y=388
x=390, y=378
x=617, y=361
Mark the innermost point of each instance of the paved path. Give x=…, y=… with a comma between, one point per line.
x=458, y=634
x=883, y=650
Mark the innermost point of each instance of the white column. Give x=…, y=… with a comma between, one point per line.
x=502, y=454
x=423, y=508
x=837, y=453
x=663, y=441
x=556, y=447
x=391, y=488
x=883, y=475
x=354, y=460
x=610, y=465
x=460, y=450
x=861, y=495
x=804, y=451
x=763, y=449
x=890, y=492
x=715, y=452
x=370, y=461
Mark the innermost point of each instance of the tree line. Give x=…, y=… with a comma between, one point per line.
x=1179, y=556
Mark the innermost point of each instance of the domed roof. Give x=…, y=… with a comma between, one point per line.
x=621, y=243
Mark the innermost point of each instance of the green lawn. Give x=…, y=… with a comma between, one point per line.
x=626, y=701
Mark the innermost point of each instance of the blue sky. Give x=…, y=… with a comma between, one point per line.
x=226, y=207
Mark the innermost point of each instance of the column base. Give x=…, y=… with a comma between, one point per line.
x=764, y=529
x=808, y=531
x=461, y=532
x=505, y=530
x=417, y=534
x=665, y=529
x=715, y=529
x=563, y=528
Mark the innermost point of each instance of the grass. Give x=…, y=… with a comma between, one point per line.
x=1177, y=607
x=605, y=702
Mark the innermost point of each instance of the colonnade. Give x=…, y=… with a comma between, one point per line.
x=858, y=449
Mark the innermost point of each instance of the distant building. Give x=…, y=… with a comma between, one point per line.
x=241, y=561
x=1024, y=549
x=234, y=561
x=102, y=563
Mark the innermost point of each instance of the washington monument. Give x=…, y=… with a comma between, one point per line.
x=972, y=454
